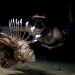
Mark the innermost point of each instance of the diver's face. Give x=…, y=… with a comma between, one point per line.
x=38, y=22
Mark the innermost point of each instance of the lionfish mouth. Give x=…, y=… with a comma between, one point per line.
x=15, y=47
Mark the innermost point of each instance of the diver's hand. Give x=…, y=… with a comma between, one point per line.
x=27, y=25
x=46, y=46
x=28, y=28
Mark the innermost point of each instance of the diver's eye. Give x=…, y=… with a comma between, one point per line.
x=35, y=22
x=42, y=23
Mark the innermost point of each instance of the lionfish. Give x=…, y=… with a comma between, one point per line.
x=14, y=47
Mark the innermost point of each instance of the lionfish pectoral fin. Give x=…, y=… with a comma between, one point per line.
x=5, y=35
x=7, y=63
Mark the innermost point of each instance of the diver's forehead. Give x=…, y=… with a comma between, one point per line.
x=37, y=16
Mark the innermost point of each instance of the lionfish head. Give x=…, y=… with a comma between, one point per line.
x=25, y=53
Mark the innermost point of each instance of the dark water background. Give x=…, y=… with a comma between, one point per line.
x=57, y=11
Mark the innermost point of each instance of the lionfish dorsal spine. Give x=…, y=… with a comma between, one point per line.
x=16, y=26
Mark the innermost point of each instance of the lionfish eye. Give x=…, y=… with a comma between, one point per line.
x=27, y=47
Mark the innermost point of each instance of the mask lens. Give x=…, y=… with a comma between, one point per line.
x=38, y=22
x=35, y=22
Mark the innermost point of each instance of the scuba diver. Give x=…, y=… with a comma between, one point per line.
x=49, y=36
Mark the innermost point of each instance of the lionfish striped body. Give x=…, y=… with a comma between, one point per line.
x=14, y=48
